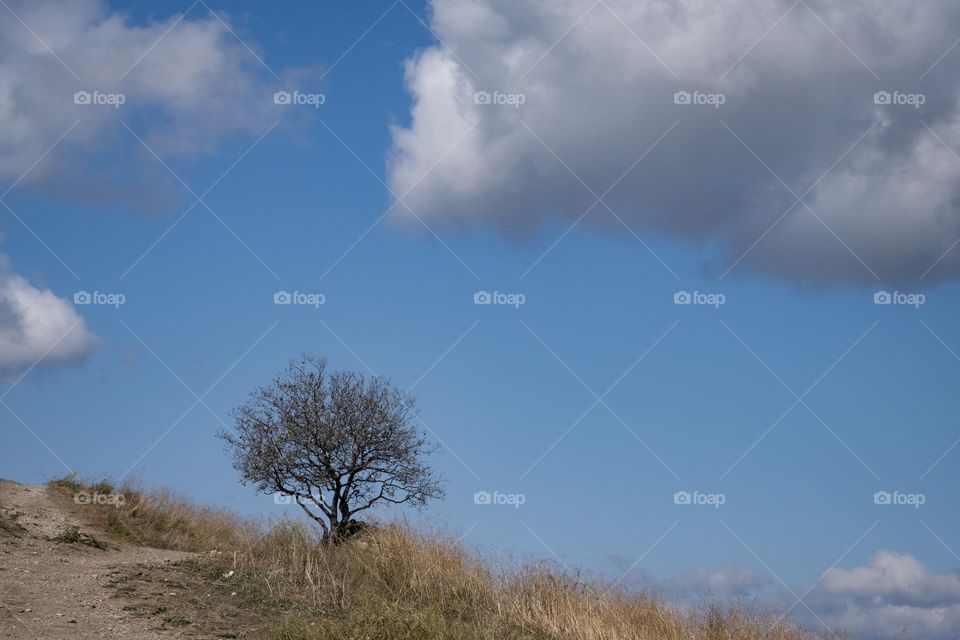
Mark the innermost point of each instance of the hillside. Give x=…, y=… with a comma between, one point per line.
x=153, y=565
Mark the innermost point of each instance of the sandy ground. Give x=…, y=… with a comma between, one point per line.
x=50, y=590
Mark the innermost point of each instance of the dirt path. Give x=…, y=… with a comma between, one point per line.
x=51, y=590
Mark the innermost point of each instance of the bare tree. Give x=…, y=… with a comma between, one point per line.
x=338, y=443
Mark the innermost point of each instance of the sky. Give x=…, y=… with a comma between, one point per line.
x=675, y=283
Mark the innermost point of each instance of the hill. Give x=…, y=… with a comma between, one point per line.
x=86, y=560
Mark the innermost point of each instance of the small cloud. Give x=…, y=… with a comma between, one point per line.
x=725, y=581
x=37, y=326
x=895, y=579
x=721, y=583
x=893, y=596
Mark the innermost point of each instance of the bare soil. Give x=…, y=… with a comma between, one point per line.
x=62, y=578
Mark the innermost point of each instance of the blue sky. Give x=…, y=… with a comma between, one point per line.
x=699, y=393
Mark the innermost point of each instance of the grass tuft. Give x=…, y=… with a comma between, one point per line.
x=70, y=482
x=72, y=535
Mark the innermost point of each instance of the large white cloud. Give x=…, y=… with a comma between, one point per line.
x=187, y=83
x=37, y=326
x=598, y=81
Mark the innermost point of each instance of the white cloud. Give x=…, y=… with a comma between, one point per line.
x=187, y=84
x=599, y=92
x=725, y=584
x=724, y=581
x=896, y=578
x=890, y=622
x=37, y=326
x=893, y=596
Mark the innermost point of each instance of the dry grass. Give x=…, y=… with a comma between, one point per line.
x=394, y=582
